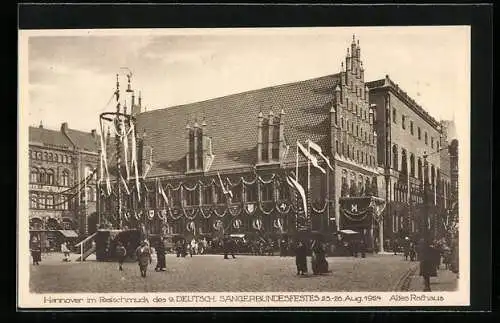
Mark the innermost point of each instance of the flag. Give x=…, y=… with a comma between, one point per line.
x=134, y=162
x=312, y=158
x=125, y=148
x=149, y=163
x=125, y=185
x=318, y=149
x=300, y=189
x=162, y=192
x=224, y=190
x=210, y=154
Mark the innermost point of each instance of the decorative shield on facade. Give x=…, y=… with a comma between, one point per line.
x=283, y=207
x=257, y=224
x=237, y=224
x=218, y=225
x=235, y=210
x=278, y=224
x=165, y=229
x=190, y=226
x=151, y=214
x=250, y=208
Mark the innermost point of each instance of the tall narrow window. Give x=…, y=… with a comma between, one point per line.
x=34, y=201
x=207, y=195
x=403, y=121
x=265, y=140
x=199, y=152
x=191, y=149
x=411, y=127
x=394, y=115
x=419, y=133
x=251, y=193
x=395, y=157
x=412, y=165
x=65, y=178
x=419, y=169
x=50, y=177
x=267, y=192
x=34, y=175
x=432, y=142
x=43, y=176
x=404, y=164
x=426, y=139
x=276, y=141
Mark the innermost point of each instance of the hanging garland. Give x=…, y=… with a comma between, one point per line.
x=264, y=211
x=190, y=189
x=219, y=214
x=283, y=207
x=350, y=215
x=206, y=214
x=188, y=215
x=234, y=209
x=173, y=211
x=321, y=210
x=269, y=181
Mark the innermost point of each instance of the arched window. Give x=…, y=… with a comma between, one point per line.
x=50, y=177
x=69, y=159
x=59, y=158
x=419, y=169
x=45, y=156
x=412, y=165
x=395, y=157
x=34, y=175
x=343, y=149
x=50, y=157
x=65, y=178
x=43, y=178
x=38, y=155
x=404, y=164
x=34, y=201
x=33, y=154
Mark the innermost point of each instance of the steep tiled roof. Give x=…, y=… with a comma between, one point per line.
x=231, y=121
x=48, y=137
x=84, y=140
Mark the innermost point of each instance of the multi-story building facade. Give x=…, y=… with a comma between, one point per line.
x=411, y=148
x=247, y=143
x=61, y=200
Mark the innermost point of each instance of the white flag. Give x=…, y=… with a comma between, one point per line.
x=224, y=190
x=317, y=148
x=162, y=192
x=125, y=185
x=125, y=148
x=312, y=158
x=210, y=155
x=301, y=190
x=134, y=162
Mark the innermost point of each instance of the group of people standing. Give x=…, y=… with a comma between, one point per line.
x=319, y=265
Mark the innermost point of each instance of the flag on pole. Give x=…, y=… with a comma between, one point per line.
x=149, y=163
x=134, y=162
x=125, y=185
x=162, y=192
x=292, y=182
x=125, y=148
x=311, y=158
x=210, y=154
x=318, y=149
x=224, y=190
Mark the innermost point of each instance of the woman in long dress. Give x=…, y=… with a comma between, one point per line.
x=301, y=258
x=144, y=257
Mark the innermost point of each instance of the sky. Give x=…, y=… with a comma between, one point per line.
x=69, y=76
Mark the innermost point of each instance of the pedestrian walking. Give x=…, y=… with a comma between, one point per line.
x=427, y=263
x=144, y=258
x=228, y=247
x=318, y=261
x=36, y=250
x=65, y=251
x=301, y=258
x=121, y=253
x=160, y=256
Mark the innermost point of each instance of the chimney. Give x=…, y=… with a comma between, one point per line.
x=41, y=125
x=259, y=137
x=93, y=133
x=64, y=127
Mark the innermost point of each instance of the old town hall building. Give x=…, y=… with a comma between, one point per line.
x=221, y=165
x=61, y=200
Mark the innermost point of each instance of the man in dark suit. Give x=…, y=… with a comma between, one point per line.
x=228, y=246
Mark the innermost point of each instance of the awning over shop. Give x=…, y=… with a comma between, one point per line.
x=69, y=233
x=348, y=231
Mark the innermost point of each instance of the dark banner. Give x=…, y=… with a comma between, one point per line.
x=355, y=212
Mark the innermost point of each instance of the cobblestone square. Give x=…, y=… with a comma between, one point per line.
x=211, y=273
